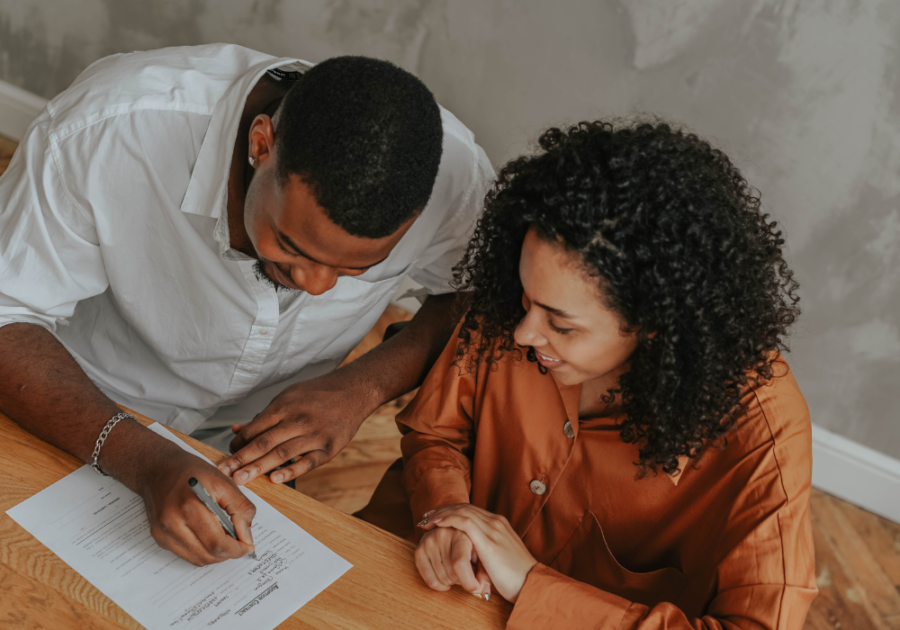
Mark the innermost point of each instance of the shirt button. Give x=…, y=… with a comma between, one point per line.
x=537, y=487
x=264, y=331
x=567, y=430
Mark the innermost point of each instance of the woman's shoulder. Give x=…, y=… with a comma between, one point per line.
x=776, y=425
x=778, y=401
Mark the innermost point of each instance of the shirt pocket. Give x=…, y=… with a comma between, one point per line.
x=587, y=558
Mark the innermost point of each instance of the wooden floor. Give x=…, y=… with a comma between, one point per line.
x=857, y=553
x=6, y=150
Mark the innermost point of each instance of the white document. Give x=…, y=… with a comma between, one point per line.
x=100, y=529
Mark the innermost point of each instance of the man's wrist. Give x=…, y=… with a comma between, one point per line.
x=129, y=452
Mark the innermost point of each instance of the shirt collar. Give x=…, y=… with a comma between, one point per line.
x=571, y=395
x=209, y=179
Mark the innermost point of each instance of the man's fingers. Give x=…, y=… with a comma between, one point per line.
x=302, y=466
x=280, y=454
x=179, y=532
x=261, y=446
x=239, y=508
x=169, y=543
x=249, y=432
x=217, y=544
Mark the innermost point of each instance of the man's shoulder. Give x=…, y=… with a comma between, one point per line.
x=456, y=131
x=181, y=79
x=464, y=166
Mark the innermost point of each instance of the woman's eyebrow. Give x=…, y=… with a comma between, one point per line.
x=555, y=311
x=287, y=241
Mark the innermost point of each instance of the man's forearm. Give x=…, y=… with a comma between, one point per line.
x=401, y=363
x=45, y=391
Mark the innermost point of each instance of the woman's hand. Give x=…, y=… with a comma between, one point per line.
x=445, y=557
x=500, y=550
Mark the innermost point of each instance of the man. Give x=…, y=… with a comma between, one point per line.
x=203, y=234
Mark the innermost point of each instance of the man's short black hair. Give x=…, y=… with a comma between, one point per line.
x=366, y=136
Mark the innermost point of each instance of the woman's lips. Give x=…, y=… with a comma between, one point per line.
x=548, y=362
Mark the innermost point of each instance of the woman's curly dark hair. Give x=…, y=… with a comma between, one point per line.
x=676, y=240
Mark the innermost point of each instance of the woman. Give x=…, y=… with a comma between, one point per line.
x=613, y=434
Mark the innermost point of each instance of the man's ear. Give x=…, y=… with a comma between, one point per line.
x=262, y=140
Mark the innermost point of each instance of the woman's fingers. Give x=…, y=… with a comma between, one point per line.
x=484, y=579
x=446, y=557
x=479, y=526
x=426, y=565
x=433, y=550
x=426, y=570
x=461, y=552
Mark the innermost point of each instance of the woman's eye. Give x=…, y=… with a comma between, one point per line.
x=561, y=331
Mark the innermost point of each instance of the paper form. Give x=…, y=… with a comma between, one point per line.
x=100, y=528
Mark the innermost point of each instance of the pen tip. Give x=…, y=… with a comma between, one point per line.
x=192, y=482
x=252, y=554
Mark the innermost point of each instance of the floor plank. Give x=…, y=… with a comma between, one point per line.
x=7, y=148
x=871, y=585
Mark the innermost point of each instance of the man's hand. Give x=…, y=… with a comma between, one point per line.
x=308, y=422
x=446, y=557
x=311, y=422
x=179, y=521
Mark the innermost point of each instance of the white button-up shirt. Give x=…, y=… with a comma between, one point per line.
x=114, y=236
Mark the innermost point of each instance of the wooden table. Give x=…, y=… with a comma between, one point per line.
x=382, y=590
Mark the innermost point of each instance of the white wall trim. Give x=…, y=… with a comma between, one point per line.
x=856, y=473
x=17, y=109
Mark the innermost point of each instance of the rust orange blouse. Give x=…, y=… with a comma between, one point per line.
x=727, y=543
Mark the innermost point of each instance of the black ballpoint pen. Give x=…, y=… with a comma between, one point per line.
x=213, y=507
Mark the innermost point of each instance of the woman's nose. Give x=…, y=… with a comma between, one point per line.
x=526, y=333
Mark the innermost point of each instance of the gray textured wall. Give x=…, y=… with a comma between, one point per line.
x=802, y=93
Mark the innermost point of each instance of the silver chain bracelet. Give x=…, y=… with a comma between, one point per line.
x=105, y=434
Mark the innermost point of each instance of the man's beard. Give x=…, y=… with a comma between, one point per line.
x=260, y=270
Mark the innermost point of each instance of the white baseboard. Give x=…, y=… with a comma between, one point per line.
x=17, y=109
x=856, y=473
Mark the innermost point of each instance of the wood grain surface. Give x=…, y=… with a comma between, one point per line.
x=382, y=590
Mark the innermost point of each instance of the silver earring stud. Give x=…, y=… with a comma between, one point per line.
x=252, y=160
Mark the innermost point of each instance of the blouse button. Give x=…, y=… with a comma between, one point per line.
x=567, y=430
x=537, y=487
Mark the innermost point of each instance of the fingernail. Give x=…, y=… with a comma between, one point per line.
x=225, y=469
x=428, y=513
x=424, y=521
x=487, y=591
x=476, y=594
x=277, y=478
x=437, y=520
x=242, y=477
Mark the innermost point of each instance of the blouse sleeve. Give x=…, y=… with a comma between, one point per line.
x=549, y=599
x=438, y=436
